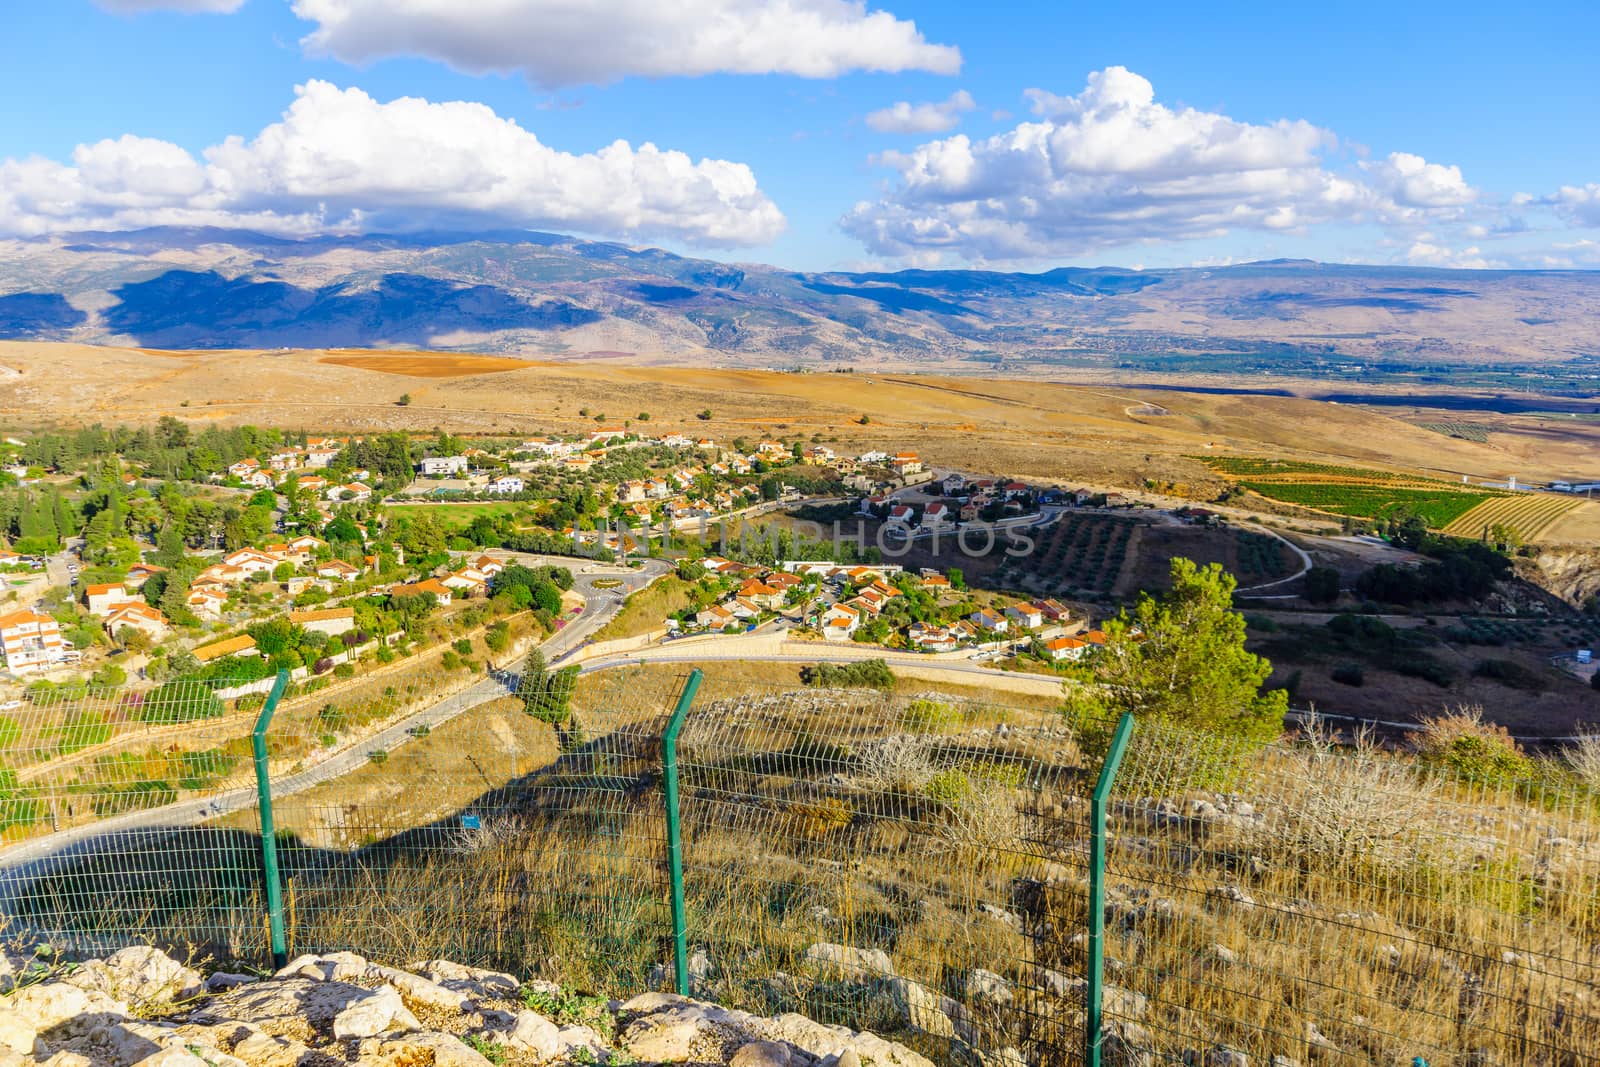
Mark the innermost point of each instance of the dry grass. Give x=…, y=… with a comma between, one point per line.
x=425, y=364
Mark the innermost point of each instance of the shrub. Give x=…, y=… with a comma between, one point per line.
x=463, y=646
x=1583, y=756
x=1471, y=748
x=345, y=670
x=1349, y=674
x=948, y=787
x=1510, y=673
x=865, y=674
x=930, y=716
x=378, y=756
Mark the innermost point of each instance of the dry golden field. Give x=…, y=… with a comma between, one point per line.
x=1027, y=428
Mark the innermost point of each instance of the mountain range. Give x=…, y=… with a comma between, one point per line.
x=551, y=296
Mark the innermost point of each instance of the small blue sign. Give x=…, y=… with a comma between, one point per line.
x=470, y=822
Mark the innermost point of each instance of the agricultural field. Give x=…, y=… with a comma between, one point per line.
x=1357, y=492
x=1462, y=431
x=1082, y=554
x=1531, y=514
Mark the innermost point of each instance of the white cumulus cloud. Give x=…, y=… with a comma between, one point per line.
x=340, y=160
x=1413, y=182
x=557, y=43
x=906, y=117
x=188, y=7
x=1111, y=166
x=1578, y=205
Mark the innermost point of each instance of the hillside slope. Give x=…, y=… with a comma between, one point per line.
x=560, y=297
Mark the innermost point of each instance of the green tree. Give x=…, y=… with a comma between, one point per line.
x=1180, y=658
x=545, y=696
x=1321, y=585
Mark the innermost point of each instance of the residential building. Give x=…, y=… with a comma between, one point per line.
x=901, y=515
x=330, y=621
x=1028, y=616
x=953, y=485
x=936, y=514
x=243, y=645
x=466, y=581
x=339, y=570
x=206, y=601
x=321, y=455
x=427, y=585
x=100, y=599
x=906, y=463
x=137, y=615
x=354, y=492
x=716, y=617
x=31, y=641
x=250, y=561
x=443, y=466
x=140, y=573
x=984, y=619
x=1066, y=648
x=506, y=484
x=840, y=622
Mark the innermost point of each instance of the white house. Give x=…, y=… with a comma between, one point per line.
x=250, y=561
x=901, y=515
x=988, y=620
x=31, y=641
x=506, y=484
x=443, y=466
x=137, y=615
x=936, y=514
x=839, y=623
x=100, y=599
x=1025, y=615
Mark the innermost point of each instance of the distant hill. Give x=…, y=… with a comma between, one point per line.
x=553, y=296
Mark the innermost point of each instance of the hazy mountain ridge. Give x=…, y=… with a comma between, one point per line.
x=549, y=295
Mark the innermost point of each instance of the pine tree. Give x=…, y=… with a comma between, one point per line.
x=1180, y=659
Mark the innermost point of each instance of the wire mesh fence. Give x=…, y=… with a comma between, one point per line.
x=526, y=834
x=103, y=796
x=910, y=864
x=1340, y=904
x=913, y=863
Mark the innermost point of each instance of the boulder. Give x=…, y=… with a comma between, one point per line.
x=373, y=1014
x=139, y=975
x=473, y=981
x=412, y=1050
x=761, y=1054
x=849, y=961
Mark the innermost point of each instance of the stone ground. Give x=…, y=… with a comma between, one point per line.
x=140, y=1007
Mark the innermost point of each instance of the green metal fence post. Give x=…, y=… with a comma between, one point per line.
x=271, y=877
x=1094, y=993
x=669, y=780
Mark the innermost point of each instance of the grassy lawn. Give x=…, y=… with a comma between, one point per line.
x=456, y=515
x=645, y=610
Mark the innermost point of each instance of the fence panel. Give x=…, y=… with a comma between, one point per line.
x=913, y=865
x=523, y=832
x=1348, y=907
x=108, y=808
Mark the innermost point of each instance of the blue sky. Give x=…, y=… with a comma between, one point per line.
x=1416, y=132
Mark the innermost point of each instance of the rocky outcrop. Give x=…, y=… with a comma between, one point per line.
x=140, y=1008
